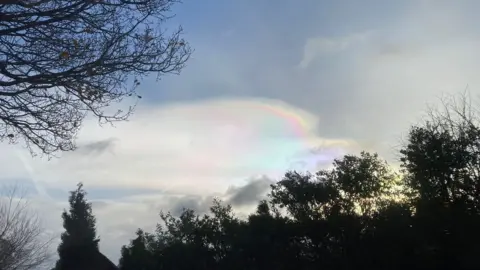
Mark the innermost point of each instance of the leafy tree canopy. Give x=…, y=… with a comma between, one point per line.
x=360, y=214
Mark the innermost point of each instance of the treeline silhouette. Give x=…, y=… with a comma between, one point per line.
x=360, y=214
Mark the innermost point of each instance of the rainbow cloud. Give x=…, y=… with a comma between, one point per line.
x=200, y=147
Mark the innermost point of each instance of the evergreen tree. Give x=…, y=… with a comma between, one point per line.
x=139, y=252
x=79, y=241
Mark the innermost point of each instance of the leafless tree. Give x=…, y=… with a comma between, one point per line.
x=459, y=117
x=23, y=244
x=456, y=114
x=63, y=60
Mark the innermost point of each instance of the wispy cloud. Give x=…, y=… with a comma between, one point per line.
x=321, y=46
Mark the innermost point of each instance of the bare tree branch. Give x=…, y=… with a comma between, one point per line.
x=22, y=243
x=62, y=60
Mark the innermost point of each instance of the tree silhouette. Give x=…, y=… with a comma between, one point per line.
x=62, y=60
x=140, y=252
x=22, y=243
x=360, y=214
x=79, y=246
x=441, y=164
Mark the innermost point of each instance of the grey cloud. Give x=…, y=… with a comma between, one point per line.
x=176, y=203
x=114, y=235
x=251, y=193
x=399, y=49
x=237, y=196
x=97, y=205
x=97, y=147
x=200, y=204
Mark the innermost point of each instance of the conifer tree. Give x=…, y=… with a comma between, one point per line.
x=79, y=241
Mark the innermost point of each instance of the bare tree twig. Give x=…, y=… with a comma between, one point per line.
x=22, y=243
x=63, y=60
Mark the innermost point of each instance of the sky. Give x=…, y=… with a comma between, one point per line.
x=271, y=86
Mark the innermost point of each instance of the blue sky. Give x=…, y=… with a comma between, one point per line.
x=356, y=74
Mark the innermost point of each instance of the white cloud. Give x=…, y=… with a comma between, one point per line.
x=413, y=64
x=192, y=148
x=197, y=148
x=392, y=73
